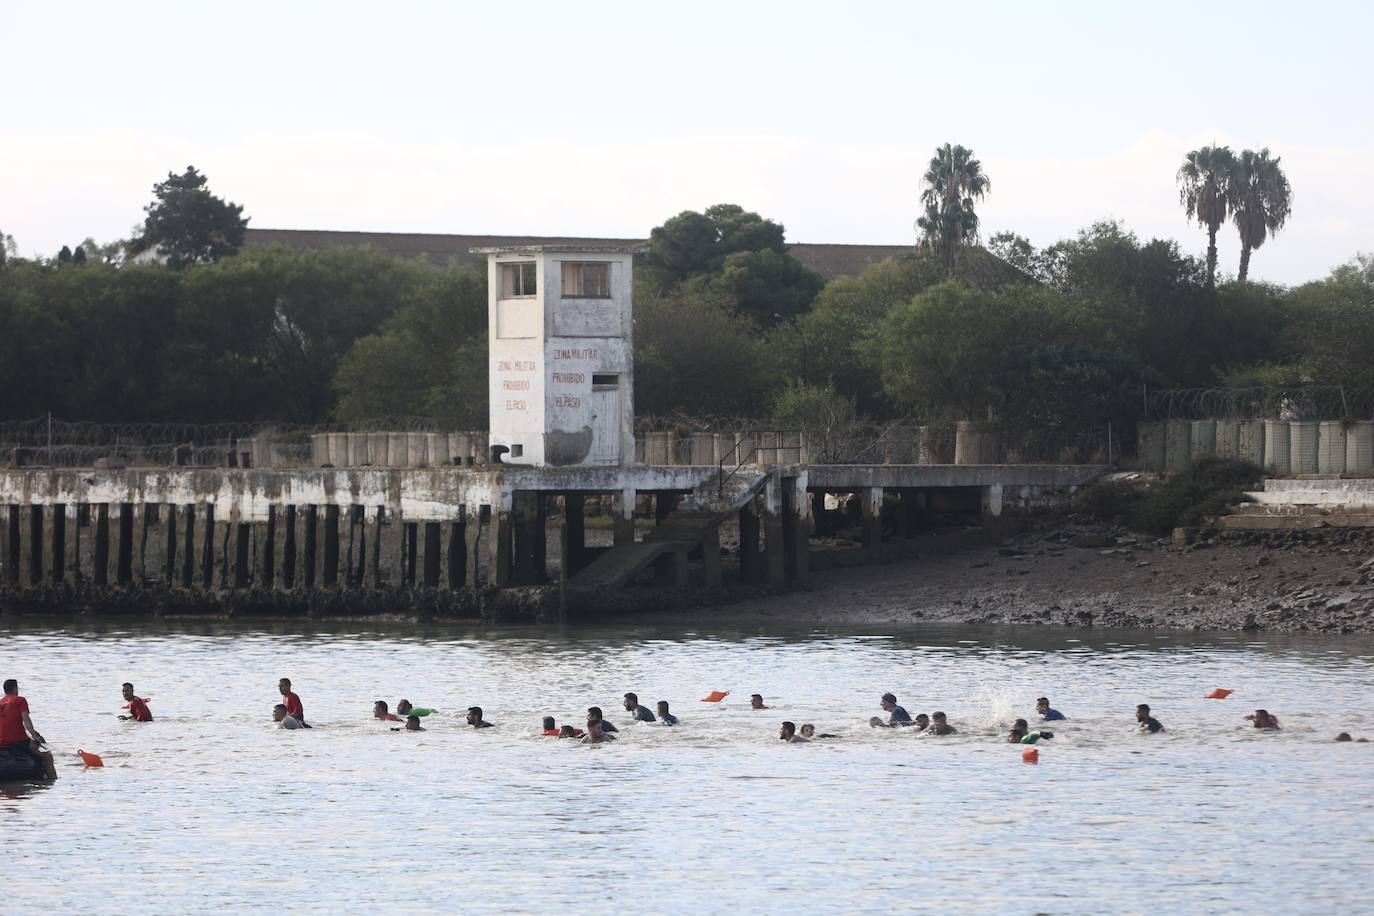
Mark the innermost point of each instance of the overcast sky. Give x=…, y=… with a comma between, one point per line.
x=605, y=119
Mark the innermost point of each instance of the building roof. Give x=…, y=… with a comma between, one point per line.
x=585, y=247
x=829, y=261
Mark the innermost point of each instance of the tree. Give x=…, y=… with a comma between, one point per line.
x=79, y=255
x=189, y=225
x=8, y=248
x=64, y=256
x=1205, y=190
x=1261, y=202
x=952, y=182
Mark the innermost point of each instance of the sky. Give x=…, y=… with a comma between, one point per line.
x=606, y=119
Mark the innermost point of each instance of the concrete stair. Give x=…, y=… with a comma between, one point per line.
x=680, y=532
x=1304, y=503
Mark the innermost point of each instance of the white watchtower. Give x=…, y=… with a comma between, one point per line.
x=561, y=338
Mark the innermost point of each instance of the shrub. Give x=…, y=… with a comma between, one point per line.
x=1206, y=488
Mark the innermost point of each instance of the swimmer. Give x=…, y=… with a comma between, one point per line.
x=1043, y=710
x=1263, y=720
x=594, y=712
x=475, y=718
x=1018, y=731
x=568, y=731
x=413, y=724
x=17, y=732
x=898, y=717
x=664, y=715
x=939, y=725
x=137, y=706
x=292, y=702
x=405, y=708
x=788, y=733
x=379, y=711
x=756, y=701
x=595, y=733
x=922, y=722
x=284, y=719
x=550, y=728
x=808, y=731
x=1344, y=736
x=638, y=712
x=1148, y=723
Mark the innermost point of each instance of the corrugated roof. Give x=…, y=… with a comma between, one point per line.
x=829, y=261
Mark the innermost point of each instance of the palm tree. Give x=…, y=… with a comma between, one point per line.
x=1204, y=189
x=952, y=182
x=1261, y=201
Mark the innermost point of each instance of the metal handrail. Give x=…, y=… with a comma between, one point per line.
x=720, y=466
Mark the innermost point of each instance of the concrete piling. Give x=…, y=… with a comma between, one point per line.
x=872, y=502
x=774, y=539
x=71, y=544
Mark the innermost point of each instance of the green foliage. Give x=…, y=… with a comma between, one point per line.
x=189, y=225
x=1111, y=500
x=1206, y=488
x=1331, y=330
x=430, y=359
x=733, y=254
x=828, y=419
x=694, y=355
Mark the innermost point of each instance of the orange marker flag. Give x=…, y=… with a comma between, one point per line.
x=1030, y=755
x=91, y=760
x=715, y=696
x=1220, y=693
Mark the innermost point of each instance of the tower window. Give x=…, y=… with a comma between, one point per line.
x=586, y=280
x=517, y=280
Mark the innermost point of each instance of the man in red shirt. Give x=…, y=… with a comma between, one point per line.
x=17, y=731
x=137, y=706
x=291, y=701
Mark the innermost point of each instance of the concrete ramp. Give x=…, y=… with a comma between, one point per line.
x=617, y=566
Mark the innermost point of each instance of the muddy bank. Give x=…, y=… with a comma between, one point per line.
x=1085, y=575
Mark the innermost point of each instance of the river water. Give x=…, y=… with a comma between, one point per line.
x=211, y=807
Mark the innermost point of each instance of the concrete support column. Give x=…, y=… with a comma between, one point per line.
x=261, y=572
x=326, y=546
x=411, y=542
x=138, y=542
x=348, y=566
x=775, y=552
x=31, y=546
x=873, y=522
x=71, y=544
x=225, y=548
x=623, y=509
x=122, y=542
x=796, y=507
x=8, y=522
x=750, y=569
x=530, y=549
x=390, y=548
x=186, y=571
x=710, y=556
x=820, y=519
x=169, y=545
x=372, y=546
x=472, y=539
x=575, y=533
x=448, y=555
x=279, y=524
x=199, y=559
x=499, y=548
x=240, y=550
x=992, y=500
x=458, y=552
x=302, y=548
x=100, y=544
x=54, y=518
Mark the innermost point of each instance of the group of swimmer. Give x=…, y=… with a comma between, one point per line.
x=17, y=732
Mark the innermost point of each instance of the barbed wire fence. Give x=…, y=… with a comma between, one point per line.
x=1279, y=402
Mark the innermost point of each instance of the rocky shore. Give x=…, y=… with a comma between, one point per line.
x=1082, y=574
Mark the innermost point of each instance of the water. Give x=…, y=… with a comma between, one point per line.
x=211, y=808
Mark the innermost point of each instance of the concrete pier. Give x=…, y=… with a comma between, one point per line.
x=297, y=541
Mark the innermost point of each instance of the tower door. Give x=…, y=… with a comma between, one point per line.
x=605, y=419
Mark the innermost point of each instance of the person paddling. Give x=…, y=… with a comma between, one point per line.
x=137, y=706
x=17, y=732
x=380, y=711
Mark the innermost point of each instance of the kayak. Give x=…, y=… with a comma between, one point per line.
x=19, y=766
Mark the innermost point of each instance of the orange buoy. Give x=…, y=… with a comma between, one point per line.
x=715, y=696
x=1030, y=755
x=1220, y=693
x=91, y=760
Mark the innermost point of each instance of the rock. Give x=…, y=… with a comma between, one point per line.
x=1341, y=600
x=1010, y=552
x=1091, y=540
